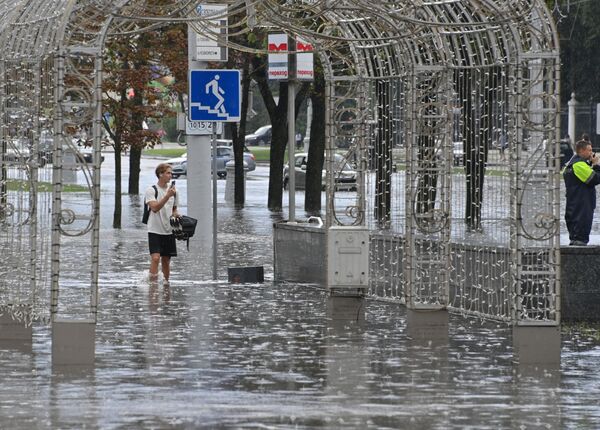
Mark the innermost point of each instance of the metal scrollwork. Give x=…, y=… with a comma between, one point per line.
x=7, y=210
x=67, y=216
x=433, y=221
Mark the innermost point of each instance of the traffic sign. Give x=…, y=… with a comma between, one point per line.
x=215, y=95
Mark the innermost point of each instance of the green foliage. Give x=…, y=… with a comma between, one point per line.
x=169, y=125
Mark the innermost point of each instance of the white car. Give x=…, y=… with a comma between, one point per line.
x=224, y=154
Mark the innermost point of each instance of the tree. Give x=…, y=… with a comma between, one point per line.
x=238, y=134
x=129, y=102
x=579, y=48
x=278, y=117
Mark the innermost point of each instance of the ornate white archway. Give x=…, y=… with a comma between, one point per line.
x=406, y=81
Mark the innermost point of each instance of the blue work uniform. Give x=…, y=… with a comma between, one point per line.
x=581, y=179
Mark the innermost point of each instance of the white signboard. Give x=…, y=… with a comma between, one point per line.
x=278, y=63
x=196, y=128
x=305, y=70
x=207, y=47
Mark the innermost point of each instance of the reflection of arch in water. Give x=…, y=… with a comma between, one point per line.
x=381, y=62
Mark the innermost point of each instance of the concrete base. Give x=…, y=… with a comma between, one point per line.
x=428, y=327
x=13, y=330
x=580, y=295
x=537, y=346
x=346, y=314
x=241, y=275
x=22, y=346
x=230, y=182
x=73, y=342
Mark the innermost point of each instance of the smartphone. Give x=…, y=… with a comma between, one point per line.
x=172, y=184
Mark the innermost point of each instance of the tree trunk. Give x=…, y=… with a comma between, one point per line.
x=278, y=117
x=278, y=146
x=383, y=152
x=118, y=205
x=239, y=192
x=477, y=108
x=316, y=149
x=135, y=151
x=135, y=157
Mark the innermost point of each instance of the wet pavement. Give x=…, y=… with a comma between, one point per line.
x=207, y=354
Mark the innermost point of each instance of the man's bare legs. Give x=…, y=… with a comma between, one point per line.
x=166, y=267
x=154, y=259
x=165, y=263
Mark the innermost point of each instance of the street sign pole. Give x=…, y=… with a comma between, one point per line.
x=214, y=199
x=291, y=115
x=198, y=167
x=291, y=108
x=214, y=97
x=286, y=63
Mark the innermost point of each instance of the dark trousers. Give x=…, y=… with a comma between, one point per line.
x=579, y=225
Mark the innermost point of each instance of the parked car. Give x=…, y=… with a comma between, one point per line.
x=345, y=175
x=18, y=150
x=224, y=155
x=260, y=137
x=85, y=152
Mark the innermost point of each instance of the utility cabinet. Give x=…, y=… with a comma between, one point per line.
x=347, y=257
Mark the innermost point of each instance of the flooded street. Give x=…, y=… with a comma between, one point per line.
x=208, y=354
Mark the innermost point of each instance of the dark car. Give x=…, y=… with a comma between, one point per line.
x=345, y=175
x=566, y=152
x=260, y=137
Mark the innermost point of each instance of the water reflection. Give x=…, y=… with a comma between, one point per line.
x=280, y=355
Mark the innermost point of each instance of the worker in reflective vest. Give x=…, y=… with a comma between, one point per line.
x=581, y=175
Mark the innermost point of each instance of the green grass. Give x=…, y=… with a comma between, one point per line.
x=461, y=171
x=166, y=152
x=43, y=187
x=262, y=153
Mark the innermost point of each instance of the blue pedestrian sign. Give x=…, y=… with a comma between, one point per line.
x=215, y=95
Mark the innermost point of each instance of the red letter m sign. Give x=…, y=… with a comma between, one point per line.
x=305, y=47
x=280, y=47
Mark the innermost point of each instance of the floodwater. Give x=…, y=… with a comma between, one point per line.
x=207, y=354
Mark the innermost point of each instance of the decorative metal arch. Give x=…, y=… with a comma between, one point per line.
x=406, y=81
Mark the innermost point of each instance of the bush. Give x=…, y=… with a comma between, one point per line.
x=169, y=124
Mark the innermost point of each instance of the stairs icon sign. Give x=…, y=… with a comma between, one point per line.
x=215, y=95
x=211, y=111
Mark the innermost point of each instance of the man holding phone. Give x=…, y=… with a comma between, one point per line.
x=581, y=175
x=162, y=201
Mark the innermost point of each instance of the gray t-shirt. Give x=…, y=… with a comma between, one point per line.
x=159, y=222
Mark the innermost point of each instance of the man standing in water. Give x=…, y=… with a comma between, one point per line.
x=162, y=201
x=581, y=175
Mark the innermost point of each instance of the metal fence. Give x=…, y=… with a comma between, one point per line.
x=425, y=93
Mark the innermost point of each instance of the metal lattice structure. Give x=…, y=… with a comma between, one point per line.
x=409, y=85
